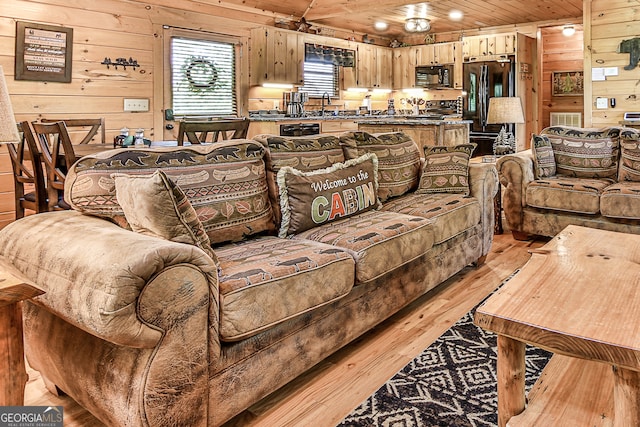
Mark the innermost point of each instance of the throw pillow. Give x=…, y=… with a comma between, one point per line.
x=154, y=205
x=309, y=199
x=446, y=169
x=543, y=159
x=398, y=160
x=585, y=153
x=629, y=161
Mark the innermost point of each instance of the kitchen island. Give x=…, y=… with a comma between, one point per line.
x=424, y=130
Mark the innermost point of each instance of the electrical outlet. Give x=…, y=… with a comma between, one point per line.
x=140, y=104
x=276, y=105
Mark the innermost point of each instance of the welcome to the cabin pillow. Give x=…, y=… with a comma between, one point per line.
x=309, y=199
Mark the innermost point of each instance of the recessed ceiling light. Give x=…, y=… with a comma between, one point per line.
x=380, y=25
x=455, y=15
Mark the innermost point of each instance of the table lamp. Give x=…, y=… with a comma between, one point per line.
x=505, y=110
x=8, y=127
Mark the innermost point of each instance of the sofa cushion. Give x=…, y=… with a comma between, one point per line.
x=379, y=241
x=305, y=153
x=562, y=193
x=621, y=200
x=308, y=199
x=225, y=183
x=451, y=214
x=446, y=169
x=267, y=280
x=398, y=159
x=543, y=159
x=629, y=169
x=585, y=153
x=155, y=206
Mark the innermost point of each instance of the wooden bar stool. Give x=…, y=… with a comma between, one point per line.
x=197, y=132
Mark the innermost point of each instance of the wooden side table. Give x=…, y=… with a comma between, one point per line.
x=13, y=373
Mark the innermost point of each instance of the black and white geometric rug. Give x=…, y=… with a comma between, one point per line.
x=451, y=383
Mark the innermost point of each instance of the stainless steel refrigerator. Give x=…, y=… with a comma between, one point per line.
x=484, y=80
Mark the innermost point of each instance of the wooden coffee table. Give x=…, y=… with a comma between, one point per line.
x=578, y=296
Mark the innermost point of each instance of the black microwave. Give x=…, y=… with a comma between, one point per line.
x=434, y=76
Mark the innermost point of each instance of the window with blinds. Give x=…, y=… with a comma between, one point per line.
x=203, y=77
x=320, y=78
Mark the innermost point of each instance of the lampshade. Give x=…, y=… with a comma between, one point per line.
x=505, y=110
x=8, y=128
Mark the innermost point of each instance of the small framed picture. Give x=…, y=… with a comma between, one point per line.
x=43, y=52
x=567, y=83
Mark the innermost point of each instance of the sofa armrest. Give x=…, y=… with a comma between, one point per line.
x=95, y=275
x=515, y=172
x=483, y=185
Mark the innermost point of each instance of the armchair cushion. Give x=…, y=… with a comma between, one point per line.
x=569, y=194
x=585, y=153
x=446, y=169
x=629, y=161
x=155, y=206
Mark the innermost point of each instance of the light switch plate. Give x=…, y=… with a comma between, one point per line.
x=140, y=104
x=602, y=103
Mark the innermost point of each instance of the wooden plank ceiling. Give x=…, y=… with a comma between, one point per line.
x=360, y=15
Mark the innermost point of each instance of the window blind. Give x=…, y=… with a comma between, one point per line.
x=320, y=78
x=203, y=77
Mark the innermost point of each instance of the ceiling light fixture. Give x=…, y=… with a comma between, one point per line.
x=417, y=25
x=568, y=30
x=455, y=15
x=380, y=25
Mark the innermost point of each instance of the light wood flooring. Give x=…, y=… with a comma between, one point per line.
x=332, y=389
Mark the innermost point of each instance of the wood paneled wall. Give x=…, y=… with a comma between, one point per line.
x=607, y=23
x=559, y=53
x=105, y=28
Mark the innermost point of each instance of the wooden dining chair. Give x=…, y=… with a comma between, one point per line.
x=86, y=128
x=58, y=155
x=28, y=176
x=198, y=132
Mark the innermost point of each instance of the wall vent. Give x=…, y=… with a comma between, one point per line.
x=566, y=119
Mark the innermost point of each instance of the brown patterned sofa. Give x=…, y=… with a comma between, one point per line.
x=172, y=301
x=587, y=177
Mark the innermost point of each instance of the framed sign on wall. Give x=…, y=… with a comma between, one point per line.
x=43, y=52
x=567, y=83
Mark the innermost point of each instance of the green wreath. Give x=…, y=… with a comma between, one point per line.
x=201, y=74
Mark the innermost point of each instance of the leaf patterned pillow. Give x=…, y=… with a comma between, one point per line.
x=446, y=169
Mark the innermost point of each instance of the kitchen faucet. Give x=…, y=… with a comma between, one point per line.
x=328, y=101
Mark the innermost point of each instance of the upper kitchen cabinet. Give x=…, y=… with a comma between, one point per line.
x=439, y=53
x=277, y=56
x=488, y=47
x=405, y=60
x=373, y=68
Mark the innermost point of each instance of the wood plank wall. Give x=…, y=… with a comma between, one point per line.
x=105, y=28
x=607, y=23
x=559, y=53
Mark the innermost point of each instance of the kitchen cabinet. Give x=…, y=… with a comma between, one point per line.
x=405, y=60
x=480, y=48
x=373, y=68
x=337, y=127
x=277, y=56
